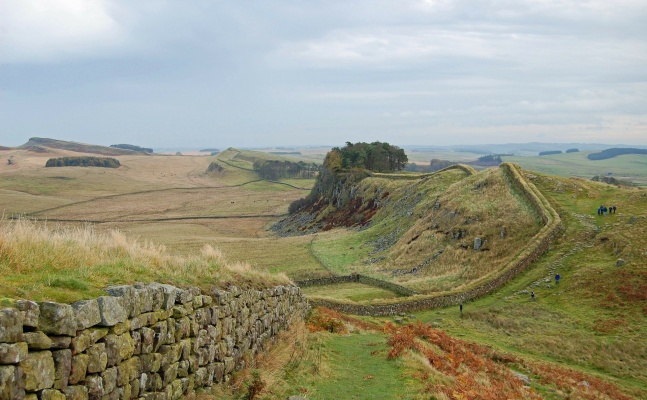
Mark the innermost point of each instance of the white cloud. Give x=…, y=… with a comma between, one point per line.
x=51, y=30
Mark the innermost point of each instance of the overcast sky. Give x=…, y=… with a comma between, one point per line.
x=194, y=74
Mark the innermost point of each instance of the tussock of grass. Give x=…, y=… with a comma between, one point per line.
x=43, y=262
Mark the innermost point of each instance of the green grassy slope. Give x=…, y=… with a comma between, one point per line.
x=595, y=319
x=631, y=167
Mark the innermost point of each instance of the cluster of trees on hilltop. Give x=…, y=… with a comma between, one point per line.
x=616, y=151
x=376, y=156
x=105, y=162
x=344, y=167
x=132, y=147
x=274, y=170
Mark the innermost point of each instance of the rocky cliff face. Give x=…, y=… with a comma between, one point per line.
x=142, y=341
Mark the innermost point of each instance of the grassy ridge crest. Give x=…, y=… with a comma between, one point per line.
x=534, y=249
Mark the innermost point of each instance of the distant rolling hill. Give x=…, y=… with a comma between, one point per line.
x=40, y=143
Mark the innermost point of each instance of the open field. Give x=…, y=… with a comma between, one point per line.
x=631, y=167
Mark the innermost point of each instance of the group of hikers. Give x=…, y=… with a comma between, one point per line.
x=603, y=210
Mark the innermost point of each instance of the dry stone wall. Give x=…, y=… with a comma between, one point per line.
x=141, y=342
x=536, y=248
x=358, y=278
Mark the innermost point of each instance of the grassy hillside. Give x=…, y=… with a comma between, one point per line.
x=421, y=232
x=45, y=143
x=595, y=319
x=583, y=338
x=630, y=167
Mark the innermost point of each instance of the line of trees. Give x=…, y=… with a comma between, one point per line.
x=376, y=156
x=616, y=151
x=274, y=169
x=547, y=153
x=105, y=162
x=132, y=147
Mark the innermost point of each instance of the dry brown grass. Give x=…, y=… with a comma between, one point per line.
x=138, y=197
x=67, y=263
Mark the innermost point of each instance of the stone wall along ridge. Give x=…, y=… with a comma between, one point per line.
x=142, y=341
x=535, y=249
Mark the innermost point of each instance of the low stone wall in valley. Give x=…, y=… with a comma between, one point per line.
x=141, y=342
x=358, y=278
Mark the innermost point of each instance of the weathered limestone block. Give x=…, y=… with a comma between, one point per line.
x=51, y=394
x=11, y=383
x=206, y=300
x=185, y=344
x=76, y=392
x=87, y=338
x=120, y=328
x=203, y=356
x=176, y=390
x=151, y=362
x=155, y=382
x=94, y=384
x=183, y=296
x=78, y=368
x=170, y=294
x=170, y=354
x=10, y=325
x=219, y=372
x=230, y=365
x=140, y=321
x=203, y=316
x=109, y=377
x=62, y=368
x=37, y=340
x=98, y=360
x=148, y=340
x=118, y=348
x=12, y=353
x=61, y=342
x=126, y=293
x=170, y=331
x=38, y=370
x=158, y=297
x=179, y=312
x=215, y=314
x=56, y=319
x=112, y=310
x=193, y=364
x=161, y=315
x=183, y=369
x=87, y=313
x=31, y=396
x=169, y=374
x=144, y=298
x=137, y=342
x=201, y=376
x=182, y=328
x=134, y=388
x=29, y=311
x=128, y=370
x=126, y=391
x=161, y=331
x=194, y=327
